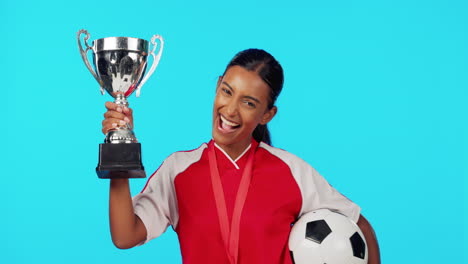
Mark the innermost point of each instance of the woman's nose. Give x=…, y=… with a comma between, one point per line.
x=232, y=108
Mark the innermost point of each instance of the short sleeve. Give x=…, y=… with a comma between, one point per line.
x=156, y=205
x=316, y=192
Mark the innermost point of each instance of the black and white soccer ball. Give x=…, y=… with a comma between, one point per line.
x=323, y=236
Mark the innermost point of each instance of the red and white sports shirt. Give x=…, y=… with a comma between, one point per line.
x=282, y=188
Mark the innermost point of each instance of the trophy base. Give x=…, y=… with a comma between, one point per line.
x=120, y=161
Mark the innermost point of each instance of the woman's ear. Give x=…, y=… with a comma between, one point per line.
x=268, y=116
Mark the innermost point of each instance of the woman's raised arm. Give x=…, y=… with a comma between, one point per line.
x=127, y=229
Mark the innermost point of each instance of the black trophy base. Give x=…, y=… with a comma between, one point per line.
x=120, y=161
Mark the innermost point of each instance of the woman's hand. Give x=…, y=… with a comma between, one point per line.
x=116, y=116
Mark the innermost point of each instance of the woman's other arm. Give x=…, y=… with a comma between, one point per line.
x=371, y=239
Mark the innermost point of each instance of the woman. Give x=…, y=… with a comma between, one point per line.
x=234, y=199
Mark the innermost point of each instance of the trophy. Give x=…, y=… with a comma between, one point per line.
x=119, y=68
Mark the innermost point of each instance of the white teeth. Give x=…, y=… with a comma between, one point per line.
x=228, y=122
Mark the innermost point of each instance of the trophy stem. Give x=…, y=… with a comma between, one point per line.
x=121, y=100
x=123, y=134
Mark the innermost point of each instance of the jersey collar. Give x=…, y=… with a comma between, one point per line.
x=234, y=162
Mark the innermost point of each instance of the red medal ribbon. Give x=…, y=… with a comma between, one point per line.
x=230, y=234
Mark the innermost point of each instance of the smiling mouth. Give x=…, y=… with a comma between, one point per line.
x=227, y=126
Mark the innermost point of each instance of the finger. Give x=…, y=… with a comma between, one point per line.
x=110, y=121
x=108, y=124
x=106, y=129
x=128, y=111
x=119, y=108
x=111, y=106
x=117, y=116
x=114, y=114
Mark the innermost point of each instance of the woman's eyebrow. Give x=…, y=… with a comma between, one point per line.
x=252, y=98
x=227, y=84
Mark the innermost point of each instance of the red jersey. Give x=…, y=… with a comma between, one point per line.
x=282, y=188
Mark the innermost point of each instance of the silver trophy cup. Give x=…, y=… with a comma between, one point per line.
x=119, y=65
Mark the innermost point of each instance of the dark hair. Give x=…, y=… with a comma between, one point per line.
x=271, y=72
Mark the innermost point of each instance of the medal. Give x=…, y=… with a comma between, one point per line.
x=230, y=233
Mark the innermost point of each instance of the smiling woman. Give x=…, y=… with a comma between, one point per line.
x=241, y=106
x=235, y=195
x=271, y=73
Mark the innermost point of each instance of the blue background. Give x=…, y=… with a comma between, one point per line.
x=375, y=98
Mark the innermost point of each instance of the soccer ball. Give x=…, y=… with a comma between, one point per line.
x=323, y=236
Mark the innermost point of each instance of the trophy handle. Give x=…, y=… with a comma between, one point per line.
x=156, y=59
x=84, y=54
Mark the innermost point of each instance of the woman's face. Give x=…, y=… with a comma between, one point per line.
x=241, y=103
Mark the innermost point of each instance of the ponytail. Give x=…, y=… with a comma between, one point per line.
x=261, y=133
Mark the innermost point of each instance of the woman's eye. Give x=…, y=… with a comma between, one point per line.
x=226, y=91
x=250, y=104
